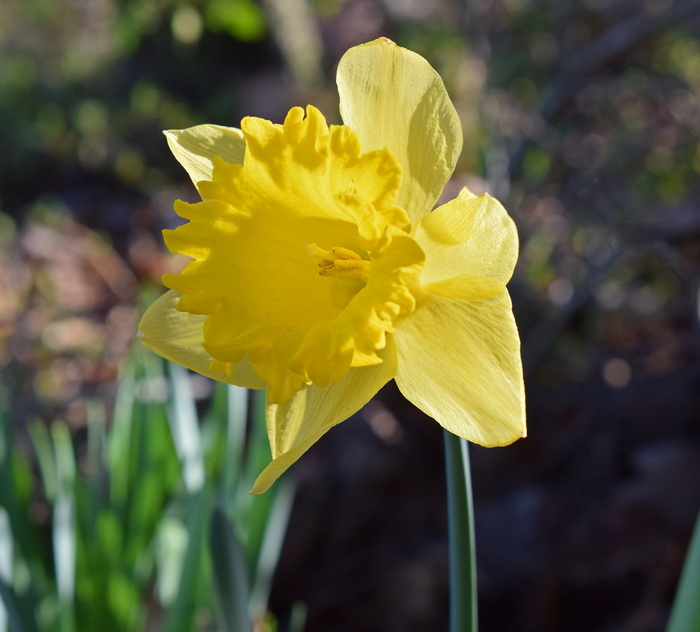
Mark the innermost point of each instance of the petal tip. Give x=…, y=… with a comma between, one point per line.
x=259, y=487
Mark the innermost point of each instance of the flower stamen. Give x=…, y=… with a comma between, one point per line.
x=339, y=262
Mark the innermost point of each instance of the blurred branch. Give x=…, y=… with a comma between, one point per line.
x=574, y=68
x=619, y=38
x=295, y=30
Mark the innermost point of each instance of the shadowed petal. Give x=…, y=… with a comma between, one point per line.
x=178, y=336
x=391, y=97
x=196, y=147
x=470, y=245
x=459, y=362
x=293, y=427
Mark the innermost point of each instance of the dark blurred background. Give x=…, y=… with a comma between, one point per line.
x=581, y=116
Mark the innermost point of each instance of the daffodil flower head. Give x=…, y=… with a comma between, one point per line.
x=319, y=272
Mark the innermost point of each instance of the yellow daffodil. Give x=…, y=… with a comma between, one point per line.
x=319, y=272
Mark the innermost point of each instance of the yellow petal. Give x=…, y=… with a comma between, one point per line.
x=293, y=427
x=196, y=147
x=391, y=97
x=301, y=184
x=470, y=245
x=459, y=362
x=177, y=336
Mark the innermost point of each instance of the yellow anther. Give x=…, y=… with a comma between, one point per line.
x=345, y=254
x=339, y=262
x=346, y=268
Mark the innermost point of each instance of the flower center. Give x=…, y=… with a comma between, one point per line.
x=263, y=297
x=339, y=262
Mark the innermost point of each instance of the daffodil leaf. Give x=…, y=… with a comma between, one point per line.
x=685, y=614
x=230, y=575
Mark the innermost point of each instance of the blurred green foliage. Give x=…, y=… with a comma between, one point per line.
x=121, y=536
x=87, y=87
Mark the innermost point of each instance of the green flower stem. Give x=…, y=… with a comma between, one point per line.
x=460, y=513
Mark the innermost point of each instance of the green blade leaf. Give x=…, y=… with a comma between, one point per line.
x=236, y=416
x=16, y=616
x=231, y=585
x=64, y=527
x=45, y=457
x=6, y=545
x=20, y=537
x=297, y=620
x=277, y=519
x=181, y=615
x=685, y=614
x=184, y=425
